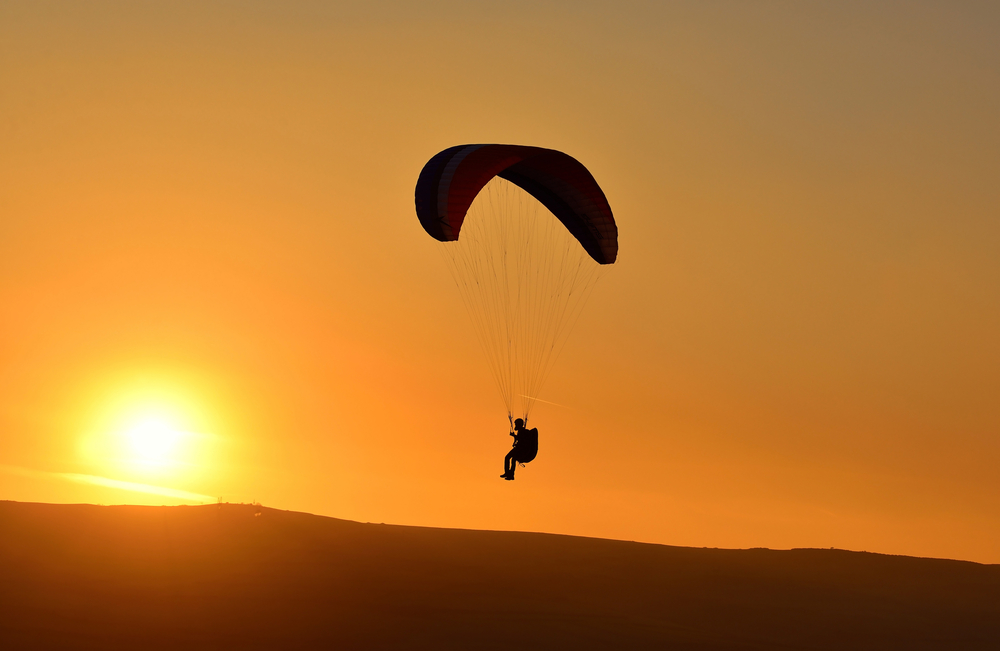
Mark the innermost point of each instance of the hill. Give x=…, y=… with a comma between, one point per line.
x=223, y=577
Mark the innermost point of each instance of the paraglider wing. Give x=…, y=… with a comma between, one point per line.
x=450, y=181
x=524, y=276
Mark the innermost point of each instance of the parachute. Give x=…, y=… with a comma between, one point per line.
x=524, y=277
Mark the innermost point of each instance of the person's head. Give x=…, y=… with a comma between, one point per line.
x=518, y=424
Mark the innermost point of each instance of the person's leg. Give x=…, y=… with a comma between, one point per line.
x=509, y=463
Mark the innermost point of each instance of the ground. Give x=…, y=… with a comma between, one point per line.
x=244, y=577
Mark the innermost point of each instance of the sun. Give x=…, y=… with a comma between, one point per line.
x=151, y=433
x=154, y=441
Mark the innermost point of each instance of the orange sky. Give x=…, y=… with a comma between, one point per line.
x=206, y=209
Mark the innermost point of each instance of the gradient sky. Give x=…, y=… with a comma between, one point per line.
x=206, y=211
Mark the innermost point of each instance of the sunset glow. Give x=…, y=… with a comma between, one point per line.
x=213, y=279
x=373, y=324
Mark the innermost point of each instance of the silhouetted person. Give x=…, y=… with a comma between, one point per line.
x=524, y=450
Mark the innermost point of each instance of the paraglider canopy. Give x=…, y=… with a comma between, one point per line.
x=450, y=181
x=524, y=276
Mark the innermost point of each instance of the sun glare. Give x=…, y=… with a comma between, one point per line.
x=151, y=434
x=154, y=441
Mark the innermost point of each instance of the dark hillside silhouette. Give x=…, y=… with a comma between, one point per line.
x=219, y=577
